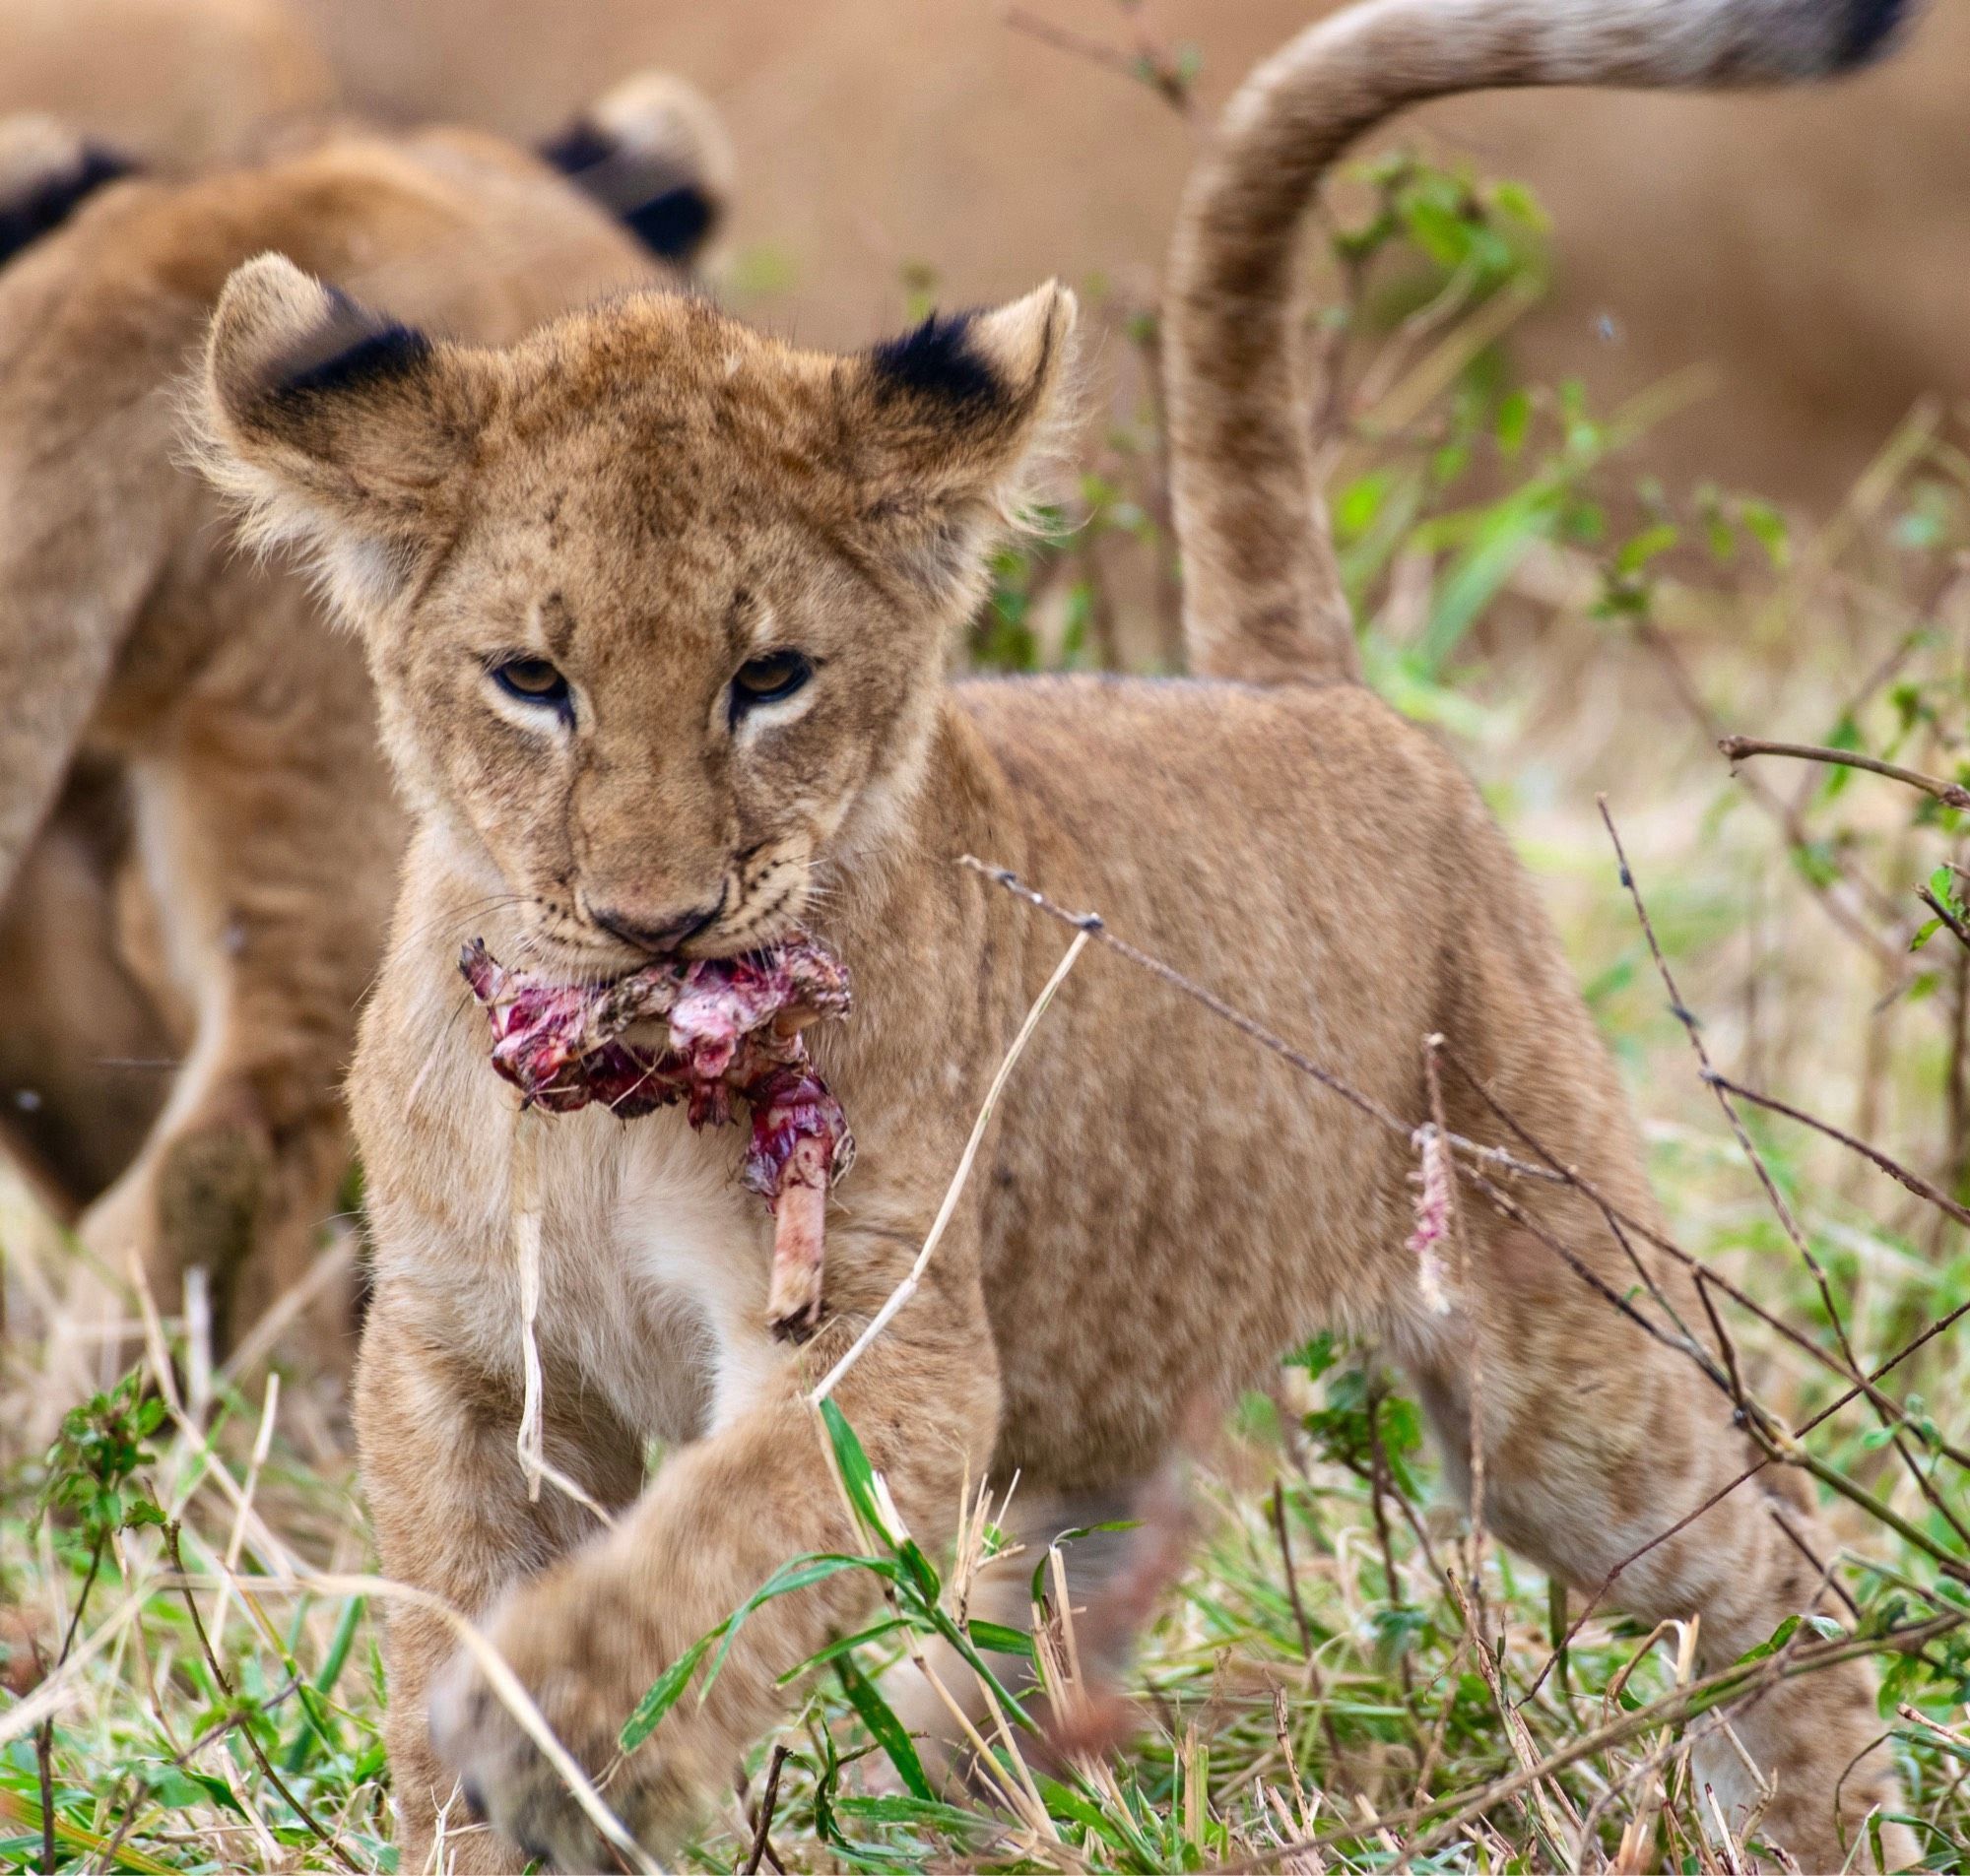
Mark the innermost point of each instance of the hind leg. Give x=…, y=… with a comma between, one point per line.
x=1597, y=1438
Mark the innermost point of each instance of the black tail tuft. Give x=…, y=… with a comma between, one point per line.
x=44, y=202
x=1871, y=27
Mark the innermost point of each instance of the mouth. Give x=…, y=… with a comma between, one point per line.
x=724, y=933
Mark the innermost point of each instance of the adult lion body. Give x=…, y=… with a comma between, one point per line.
x=659, y=610
x=138, y=644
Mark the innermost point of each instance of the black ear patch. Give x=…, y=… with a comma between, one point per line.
x=580, y=148
x=48, y=201
x=666, y=208
x=348, y=350
x=675, y=225
x=935, y=362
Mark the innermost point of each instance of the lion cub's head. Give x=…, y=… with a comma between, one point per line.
x=657, y=607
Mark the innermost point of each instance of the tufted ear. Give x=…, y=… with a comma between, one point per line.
x=336, y=428
x=960, y=417
x=654, y=152
x=48, y=169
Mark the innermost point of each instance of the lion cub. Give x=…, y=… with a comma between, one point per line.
x=658, y=609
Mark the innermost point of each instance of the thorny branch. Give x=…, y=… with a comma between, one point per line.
x=1151, y=63
x=1551, y=1172
x=1790, y=819
x=1894, y=1169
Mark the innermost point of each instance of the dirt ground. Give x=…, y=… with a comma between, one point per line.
x=1816, y=248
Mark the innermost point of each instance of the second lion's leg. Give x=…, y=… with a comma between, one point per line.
x=270, y=842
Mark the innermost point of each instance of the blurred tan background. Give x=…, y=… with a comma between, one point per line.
x=1814, y=247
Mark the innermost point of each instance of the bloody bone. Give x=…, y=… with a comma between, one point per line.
x=731, y=1026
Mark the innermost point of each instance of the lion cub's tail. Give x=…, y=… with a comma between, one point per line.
x=1263, y=599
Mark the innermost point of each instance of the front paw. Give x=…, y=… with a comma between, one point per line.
x=585, y=1655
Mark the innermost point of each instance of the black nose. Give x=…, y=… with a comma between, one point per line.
x=655, y=938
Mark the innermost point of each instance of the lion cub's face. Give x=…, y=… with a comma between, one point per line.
x=657, y=607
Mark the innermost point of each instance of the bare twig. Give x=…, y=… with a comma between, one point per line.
x=1620, y=1221
x=1958, y=929
x=1949, y=794
x=1738, y=1679
x=1889, y=956
x=769, y=1798
x=1301, y=1621
x=1890, y=1418
x=1551, y=1172
x=1092, y=924
x=45, y=1735
x=1745, y=1477
x=1150, y=64
x=1914, y=1182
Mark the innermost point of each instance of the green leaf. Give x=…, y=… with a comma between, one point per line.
x=1516, y=201
x=841, y=1645
x=1515, y=416
x=816, y=1567
x=999, y=1639
x=1645, y=547
x=910, y=1811
x=1768, y=528
x=1357, y=505
x=663, y=1694
x=883, y=1726
x=1316, y=1356
x=857, y=1474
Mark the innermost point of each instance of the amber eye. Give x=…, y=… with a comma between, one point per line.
x=532, y=681
x=768, y=679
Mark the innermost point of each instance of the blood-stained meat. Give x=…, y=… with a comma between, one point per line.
x=702, y=1034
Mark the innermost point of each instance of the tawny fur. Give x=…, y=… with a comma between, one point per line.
x=136, y=633
x=650, y=495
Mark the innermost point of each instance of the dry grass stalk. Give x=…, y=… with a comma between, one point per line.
x=907, y=1288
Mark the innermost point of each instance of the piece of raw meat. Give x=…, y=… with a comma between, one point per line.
x=700, y=1033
